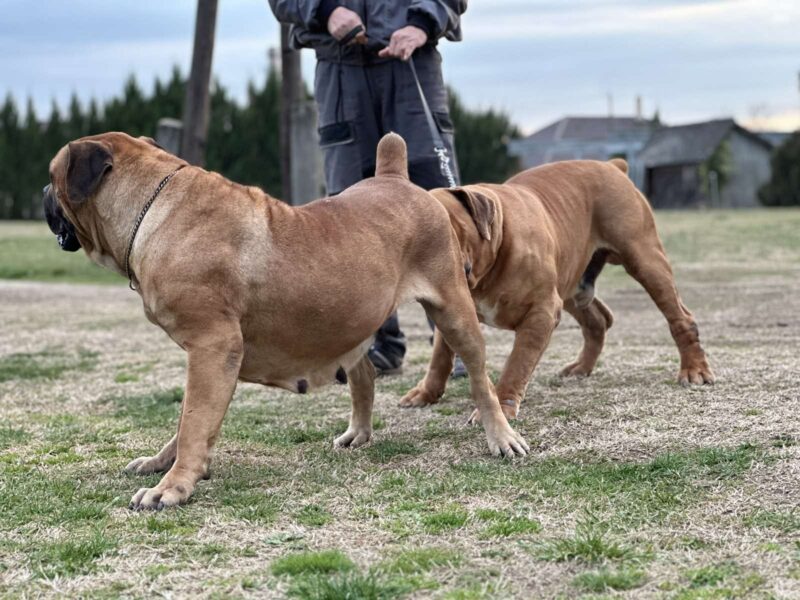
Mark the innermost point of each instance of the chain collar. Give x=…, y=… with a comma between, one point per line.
x=138, y=223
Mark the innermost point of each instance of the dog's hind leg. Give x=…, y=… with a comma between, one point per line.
x=433, y=386
x=160, y=463
x=362, y=390
x=645, y=260
x=595, y=319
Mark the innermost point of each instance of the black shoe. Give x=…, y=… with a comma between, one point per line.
x=459, y=370
x=385, y=361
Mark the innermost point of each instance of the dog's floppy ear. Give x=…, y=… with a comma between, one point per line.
x=87, y=162
x=480, y=207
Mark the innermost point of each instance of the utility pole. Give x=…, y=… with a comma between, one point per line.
x=291, y=95
x=197, y=103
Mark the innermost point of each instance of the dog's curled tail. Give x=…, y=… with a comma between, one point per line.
x=620, y=163
x=392, y=158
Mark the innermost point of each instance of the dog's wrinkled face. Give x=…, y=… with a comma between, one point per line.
x=58, y=223
x=76, y=173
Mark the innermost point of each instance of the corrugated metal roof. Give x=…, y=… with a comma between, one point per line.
x=592, y=129
x=689, y=144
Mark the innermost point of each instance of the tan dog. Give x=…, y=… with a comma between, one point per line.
x=256, y=290
x=536, y=244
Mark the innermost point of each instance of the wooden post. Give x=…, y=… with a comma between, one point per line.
x=197, y=102
x=306, y=158
x=291, y=94
x=168, y=135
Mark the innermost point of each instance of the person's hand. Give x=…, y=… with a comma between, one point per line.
x=342, y=21
x=404, y=41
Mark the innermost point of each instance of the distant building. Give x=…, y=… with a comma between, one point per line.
x=674, y=166
x=714, y=163
x=598, y=138
x=776, y=138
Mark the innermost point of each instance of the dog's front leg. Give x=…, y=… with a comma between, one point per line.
x=214, y=363
x=530, y=341
x=362, y=390
x=429, y=390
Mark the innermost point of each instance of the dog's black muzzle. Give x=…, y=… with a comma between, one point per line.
x=58, y=223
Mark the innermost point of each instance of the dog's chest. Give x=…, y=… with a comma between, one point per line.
x=487, y=313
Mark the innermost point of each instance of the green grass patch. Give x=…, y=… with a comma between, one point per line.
x=564, y=413
x=125, y=377
x=422, y=560
x=174, y=523
x=153, y=410
x=634, y=492
x=11, y=436
x=32, y=495
x=29, y=251
x=348, y=586
x=312, y=515
x=71, y=557
x=445, y=520
x=605, y=580
x=458, y=389
x=783, y=440
x=447, y=411
x=502, y=524
x=303, y=563
x=385, y=450
x=255, y=425
x=46, y=364
x=787, y=521
x=242, y=495
x=590, y=543
x=711, y=575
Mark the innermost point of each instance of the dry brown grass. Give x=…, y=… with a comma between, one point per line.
x=698, y=486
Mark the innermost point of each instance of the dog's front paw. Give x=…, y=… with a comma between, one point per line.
x=419, y=397
x=146, y=465
x=698, y=374
x=505, y=442
x=162, y=496
x=353, y=437
x=576, y=369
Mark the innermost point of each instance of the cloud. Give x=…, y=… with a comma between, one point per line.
x=536, y=59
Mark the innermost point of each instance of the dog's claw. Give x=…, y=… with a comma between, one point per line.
x=508, y=443
x=696, y=376
x=353, y=438
x=159, y=498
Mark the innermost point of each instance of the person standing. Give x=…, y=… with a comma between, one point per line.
x=364, y=88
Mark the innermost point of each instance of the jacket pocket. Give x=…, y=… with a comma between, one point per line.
x=444, y=122
x=336, y=134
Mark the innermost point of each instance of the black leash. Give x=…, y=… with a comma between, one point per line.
x=438, y=143
x=138, y=224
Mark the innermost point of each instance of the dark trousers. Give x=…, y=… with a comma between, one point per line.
x=358, y=104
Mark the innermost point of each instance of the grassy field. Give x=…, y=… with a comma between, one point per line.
x=636, y=487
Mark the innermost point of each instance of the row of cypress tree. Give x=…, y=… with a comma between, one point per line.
x=243, y=142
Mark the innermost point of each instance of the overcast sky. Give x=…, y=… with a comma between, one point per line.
x=538, y=60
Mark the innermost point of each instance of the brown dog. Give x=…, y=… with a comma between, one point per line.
x=256, y=290
x=536, y=244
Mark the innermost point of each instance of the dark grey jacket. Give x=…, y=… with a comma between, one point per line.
x=381, y=18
